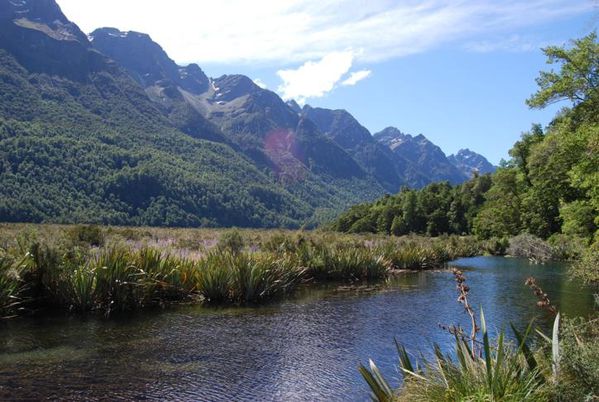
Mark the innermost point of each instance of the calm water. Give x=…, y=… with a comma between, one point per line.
x=305, y=349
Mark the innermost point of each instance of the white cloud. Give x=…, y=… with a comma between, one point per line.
x=356, y=77
x=293, y=31
x=513, y=43
x=260, y=83
x=314, y=79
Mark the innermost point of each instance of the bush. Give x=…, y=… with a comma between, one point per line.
x=579, y=362
x=587, y=268
x=86, y=234
x=497, y=245
x=567, y=248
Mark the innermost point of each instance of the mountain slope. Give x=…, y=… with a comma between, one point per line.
x=80, y=141
x=424, y=161
x=349, y=134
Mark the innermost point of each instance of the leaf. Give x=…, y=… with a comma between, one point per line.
x=486, y=349
x=555, y=348
x=381, y=391
x=523, y=347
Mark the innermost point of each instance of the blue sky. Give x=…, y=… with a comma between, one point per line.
x=456, y=71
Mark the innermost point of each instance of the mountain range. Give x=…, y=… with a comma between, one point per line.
x=106, y=128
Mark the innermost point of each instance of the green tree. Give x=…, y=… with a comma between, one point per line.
x=577, y=79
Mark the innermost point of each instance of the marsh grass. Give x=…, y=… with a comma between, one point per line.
x=11, y=284
x=111, y=269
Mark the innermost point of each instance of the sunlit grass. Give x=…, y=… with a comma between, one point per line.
x=106, y=269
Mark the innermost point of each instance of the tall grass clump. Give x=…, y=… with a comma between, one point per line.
x=246, y=278
x=413, y=256
x=501, y=372
x=110, y=279
x=477, y=370
x=341, y=262
x=11, y=284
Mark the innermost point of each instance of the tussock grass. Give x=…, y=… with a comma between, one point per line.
x=110, y=269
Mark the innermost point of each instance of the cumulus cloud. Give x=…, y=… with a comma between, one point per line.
x=314, y=79
x=283, y=32
x=356, y=77
x=260, y=83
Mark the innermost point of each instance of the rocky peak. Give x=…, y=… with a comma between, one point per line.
x=146, y=61
x=392, y=137
x=229, y=87
x=339, y=125
x=41, y=15
x=294, y=106
x=421, y=155
x=470, y=162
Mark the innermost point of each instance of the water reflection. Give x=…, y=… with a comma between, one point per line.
x=302, y=349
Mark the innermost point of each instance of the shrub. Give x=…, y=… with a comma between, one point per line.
x=587, y=268
x=497, y=245
x=579, y=360
x=86, y=234
x=567, y=248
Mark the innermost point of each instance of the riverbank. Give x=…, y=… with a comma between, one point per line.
x=106, y=269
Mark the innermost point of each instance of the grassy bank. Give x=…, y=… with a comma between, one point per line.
x=108, y=269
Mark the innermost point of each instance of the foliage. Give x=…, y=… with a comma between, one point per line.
x=436, y=209
x=578, y=79
x=587, y=268
x=579, y=362
x=501, y=372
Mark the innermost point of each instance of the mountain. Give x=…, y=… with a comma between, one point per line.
x=424, y=161
x=355, y=139
x=254, y=120
x=81, y=141
x=469, y=162
x=107, y=128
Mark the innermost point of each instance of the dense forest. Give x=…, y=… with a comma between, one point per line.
x=548, y=187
